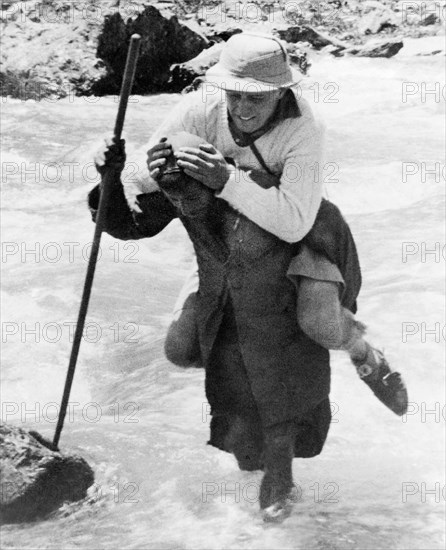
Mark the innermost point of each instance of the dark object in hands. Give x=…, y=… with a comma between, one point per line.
x=189, y=195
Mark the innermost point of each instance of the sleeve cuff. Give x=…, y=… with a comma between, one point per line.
x=231, y=187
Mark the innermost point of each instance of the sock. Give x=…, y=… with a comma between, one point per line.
x=354, y=342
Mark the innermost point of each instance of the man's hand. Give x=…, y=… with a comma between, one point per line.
x=205, y=164
x=111, y=156
x=156, y=157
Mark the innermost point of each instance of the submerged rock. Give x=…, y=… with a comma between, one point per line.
x=305, y=33
x=376, y=48
x=34, y=480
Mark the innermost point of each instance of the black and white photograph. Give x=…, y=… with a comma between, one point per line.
x=223, y=275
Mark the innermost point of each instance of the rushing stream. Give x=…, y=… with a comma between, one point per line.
x=142, y=423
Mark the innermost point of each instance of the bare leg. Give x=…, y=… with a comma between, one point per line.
x=324, y=320
x=245, y=440
x=276, y=490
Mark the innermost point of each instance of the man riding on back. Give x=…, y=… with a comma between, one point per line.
x=277, y=268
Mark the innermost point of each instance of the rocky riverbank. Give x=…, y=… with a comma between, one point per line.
x=35, y=480
x=57, y=48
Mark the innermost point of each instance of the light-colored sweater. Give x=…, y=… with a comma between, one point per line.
x=293, y=150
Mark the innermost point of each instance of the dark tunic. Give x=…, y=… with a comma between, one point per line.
x=242, y=270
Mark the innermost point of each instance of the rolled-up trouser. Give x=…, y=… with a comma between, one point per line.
x=181, y=345
x=333, y=254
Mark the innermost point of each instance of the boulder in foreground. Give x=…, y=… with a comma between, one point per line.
x=34, y=480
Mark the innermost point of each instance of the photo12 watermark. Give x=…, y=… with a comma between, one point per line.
x=422, y=332
x=317, y=92
x=290, y=11
x=69, y=11
x=91, y=412
x=422, y=492
x=236, y=492
x=419, y=12
x=54, y=332
x=423, y=252
x=424, y=92
x=423, y=171
x=206, y=415
x=118, y=492
x=52, y=92
x=68, y=252
x=54, y=172
x=292, y=173
x=425, y=412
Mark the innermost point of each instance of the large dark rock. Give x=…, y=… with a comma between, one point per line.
x=430, y=19
x=164, y=41
x=374, y=48
x=219, y=35
x=308, y=34
x=72, y=50
x=184, y=74
x=58, y=49
x=34, y=480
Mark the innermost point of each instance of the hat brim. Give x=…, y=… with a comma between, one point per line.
x=222, y=78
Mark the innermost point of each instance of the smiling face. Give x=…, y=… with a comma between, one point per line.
x=250, y=111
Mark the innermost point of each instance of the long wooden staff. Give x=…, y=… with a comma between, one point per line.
x=107, y=182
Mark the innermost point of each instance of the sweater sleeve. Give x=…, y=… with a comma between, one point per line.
x=152, y=213
x=287, y=211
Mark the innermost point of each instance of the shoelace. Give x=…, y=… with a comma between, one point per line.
x=365, y=369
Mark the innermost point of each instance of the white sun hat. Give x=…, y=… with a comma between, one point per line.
x=253, y=62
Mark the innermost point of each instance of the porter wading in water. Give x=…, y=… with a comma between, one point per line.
x=278, y=270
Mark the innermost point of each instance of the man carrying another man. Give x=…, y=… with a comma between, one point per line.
x=278, y=269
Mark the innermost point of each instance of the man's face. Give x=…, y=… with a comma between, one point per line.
x=250, y=111
x=190, y=206
x=190, y=196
